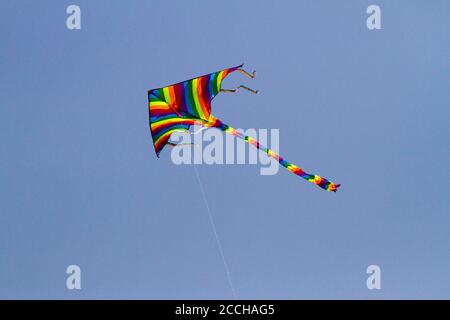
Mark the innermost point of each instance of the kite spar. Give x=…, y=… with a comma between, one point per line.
x=179, y=106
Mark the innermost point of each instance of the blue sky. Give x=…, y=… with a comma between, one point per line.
x=80, y=183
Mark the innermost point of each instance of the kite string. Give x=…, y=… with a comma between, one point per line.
x=216, y=235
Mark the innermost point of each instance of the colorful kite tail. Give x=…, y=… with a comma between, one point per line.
x=317, y=180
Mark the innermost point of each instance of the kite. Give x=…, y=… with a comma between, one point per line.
x=179, y=106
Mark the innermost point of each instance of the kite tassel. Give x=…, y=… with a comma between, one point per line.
x=251, y=76
x=228, y=90
x=241, y=86
x=248, y=89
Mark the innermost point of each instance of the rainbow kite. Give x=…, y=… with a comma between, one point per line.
x=179, y=106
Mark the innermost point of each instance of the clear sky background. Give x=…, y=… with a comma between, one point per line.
x=80, y=182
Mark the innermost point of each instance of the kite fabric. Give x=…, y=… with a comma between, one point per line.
x=179, y=106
